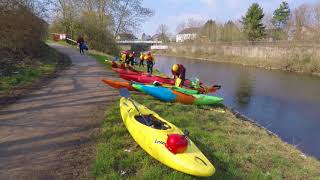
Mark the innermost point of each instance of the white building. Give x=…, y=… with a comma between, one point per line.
x=187, y=34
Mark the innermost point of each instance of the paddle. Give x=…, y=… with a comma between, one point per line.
x=217, y=86
x=126, y=94
x=178, y=82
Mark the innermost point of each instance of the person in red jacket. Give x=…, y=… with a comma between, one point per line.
x=80, y=42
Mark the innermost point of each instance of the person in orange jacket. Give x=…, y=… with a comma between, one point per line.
x=150, y=62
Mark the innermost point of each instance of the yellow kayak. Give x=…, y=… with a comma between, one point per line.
x=153, y=137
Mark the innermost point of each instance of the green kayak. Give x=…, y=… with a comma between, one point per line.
x=138, y=87
x=206, y=100
x=179, y=89
x=184, y=90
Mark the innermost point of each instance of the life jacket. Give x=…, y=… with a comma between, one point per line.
x=141, y=56
x=123, y=57
x=148, y=58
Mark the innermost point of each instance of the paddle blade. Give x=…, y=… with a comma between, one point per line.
x=124, y=92
x=178, y=82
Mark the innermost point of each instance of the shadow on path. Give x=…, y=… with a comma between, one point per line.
x=49, y=133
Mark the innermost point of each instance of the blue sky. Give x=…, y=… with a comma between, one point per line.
x=172, y=12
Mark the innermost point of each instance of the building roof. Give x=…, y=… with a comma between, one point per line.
x=126, y=36
x=192, y=30
x=155, y=37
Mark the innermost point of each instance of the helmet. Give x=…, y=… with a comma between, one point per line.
x=156, y=83
x=175, y=67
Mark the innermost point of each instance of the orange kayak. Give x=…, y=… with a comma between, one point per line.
x=118, y=84
x=184, y=98
x=125, y=84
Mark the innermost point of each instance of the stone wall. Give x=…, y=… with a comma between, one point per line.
x=250, y=51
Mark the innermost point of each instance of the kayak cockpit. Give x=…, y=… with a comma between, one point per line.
x=151, y=121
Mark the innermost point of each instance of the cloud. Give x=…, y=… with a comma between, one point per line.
x=185, y=16
x=208, y=2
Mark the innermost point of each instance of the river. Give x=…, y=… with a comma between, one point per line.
x=288, y=104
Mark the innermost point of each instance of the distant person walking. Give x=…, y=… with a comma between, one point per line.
x=80, y=42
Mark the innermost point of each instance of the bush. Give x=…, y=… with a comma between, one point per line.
x=21, y=35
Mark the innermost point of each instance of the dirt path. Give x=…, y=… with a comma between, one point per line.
x=47, y=134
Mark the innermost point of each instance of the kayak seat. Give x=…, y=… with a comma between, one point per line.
x=152, y=121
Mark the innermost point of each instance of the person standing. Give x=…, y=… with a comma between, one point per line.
x=141, y=59
x=179, y=72
x=80, y=42
x=123, y=57
x=150, y=62
x=130, y=60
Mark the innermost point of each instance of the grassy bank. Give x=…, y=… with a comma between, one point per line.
x=304, y=63
x=238, y=149
x=48, y=61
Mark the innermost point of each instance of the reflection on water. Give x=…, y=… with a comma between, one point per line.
x=288, y=104
x=244, y=90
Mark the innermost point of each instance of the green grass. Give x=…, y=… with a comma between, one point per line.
x=238, y=149
x=62, y=42
x=101, y=58
x=26, y=74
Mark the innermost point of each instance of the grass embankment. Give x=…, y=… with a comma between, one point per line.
x=301, y=63
x=48, y=61
x=238, y=149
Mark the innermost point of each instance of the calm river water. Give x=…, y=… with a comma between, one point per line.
x=288, y=104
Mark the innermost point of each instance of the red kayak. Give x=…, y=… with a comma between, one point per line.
x=149, y=79
x=126, y=71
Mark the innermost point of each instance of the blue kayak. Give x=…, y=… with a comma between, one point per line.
x=161, y=93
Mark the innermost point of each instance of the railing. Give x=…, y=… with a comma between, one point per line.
x=71, y=41
x=139, y=42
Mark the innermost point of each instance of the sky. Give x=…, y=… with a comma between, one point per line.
x=173, y=12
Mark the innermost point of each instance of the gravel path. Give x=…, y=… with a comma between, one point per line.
x=49, y=134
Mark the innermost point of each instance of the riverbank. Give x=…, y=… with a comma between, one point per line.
x=238, y=149
x=299, y=60
x=32, y=74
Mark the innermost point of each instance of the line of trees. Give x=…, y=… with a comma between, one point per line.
x=302, y=23
x=100, y=21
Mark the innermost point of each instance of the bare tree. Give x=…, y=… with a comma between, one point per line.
x=267, y=21
x=180, y=27
x=301, y=20
x=316, y=19
x=163, y=32
x=127, y=15
x=192, y=22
